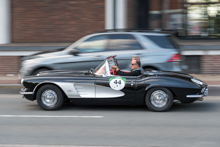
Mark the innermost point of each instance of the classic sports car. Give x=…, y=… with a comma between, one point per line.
x=156, y=89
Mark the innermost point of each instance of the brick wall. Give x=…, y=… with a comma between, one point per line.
x=210, y=64
x=155, y=5
x=132, y=14
x=176, y=4
x=55, y=20
x=156, y=18
x=9, y=65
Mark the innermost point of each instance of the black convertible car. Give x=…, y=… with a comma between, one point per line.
x=156, y=89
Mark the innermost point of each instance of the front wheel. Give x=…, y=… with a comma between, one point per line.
x=159, y=99
x=50, y=97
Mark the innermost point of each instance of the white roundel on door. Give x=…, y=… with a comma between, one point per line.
x=117, y=83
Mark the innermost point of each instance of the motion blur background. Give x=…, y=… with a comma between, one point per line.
x=30, y=26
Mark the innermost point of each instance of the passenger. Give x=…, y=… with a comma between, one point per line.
x=135, y=69
x=138, y=59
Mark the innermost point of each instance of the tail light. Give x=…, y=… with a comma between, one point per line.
x=175, y=58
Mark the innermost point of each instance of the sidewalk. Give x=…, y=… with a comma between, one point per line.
x=9, y=80
x=211, y=80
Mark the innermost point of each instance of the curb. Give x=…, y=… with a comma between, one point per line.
x=11, y=85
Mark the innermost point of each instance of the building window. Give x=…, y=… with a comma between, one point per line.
x=203, y=18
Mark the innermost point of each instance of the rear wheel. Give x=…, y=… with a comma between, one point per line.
x=159, y=99
x=50, y=97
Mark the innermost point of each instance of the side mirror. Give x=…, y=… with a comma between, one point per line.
x=74, y=52
x=91, y=70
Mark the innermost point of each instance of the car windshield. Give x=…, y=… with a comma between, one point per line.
x=101, y=69
x=105, y=66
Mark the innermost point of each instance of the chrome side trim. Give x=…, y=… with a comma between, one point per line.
x=85, y=90
x=68, y=88
x=194, y=96
x=81, y=90
x=107, y=92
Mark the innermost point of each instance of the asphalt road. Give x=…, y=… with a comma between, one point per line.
x=23, y=123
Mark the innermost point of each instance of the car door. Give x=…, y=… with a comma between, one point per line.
x=116, y=87
x=89, y=54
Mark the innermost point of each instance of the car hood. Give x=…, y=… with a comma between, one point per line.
x=169, y=74
x=45, y=54
x=177, y=75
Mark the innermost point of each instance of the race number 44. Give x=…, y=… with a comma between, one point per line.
x=117, y=83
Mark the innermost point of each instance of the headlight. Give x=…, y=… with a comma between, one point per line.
x=22, y=81
x=197, y=81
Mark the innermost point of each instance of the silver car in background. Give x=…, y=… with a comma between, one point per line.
x=157, y=51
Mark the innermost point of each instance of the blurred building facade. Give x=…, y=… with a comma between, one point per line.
x=195, y=22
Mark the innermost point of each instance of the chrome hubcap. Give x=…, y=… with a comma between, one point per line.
x=159, y=98
x=49, y=98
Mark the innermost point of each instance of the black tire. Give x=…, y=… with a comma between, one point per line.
x=53, y=103
x=39, y=70
x=167, y=98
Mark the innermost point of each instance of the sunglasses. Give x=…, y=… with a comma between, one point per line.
x=132, y=64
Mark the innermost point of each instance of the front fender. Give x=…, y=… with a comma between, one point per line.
x=169, y=82
x=179, y=87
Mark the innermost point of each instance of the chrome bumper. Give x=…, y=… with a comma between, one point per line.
x=204, y=92
x=23, y=91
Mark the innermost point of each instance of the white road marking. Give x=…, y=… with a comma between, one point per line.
x=17, y=145
x=50, y=116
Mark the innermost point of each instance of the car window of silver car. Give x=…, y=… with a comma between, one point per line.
x=93, y=44
x=162, y=41
x=123, y=42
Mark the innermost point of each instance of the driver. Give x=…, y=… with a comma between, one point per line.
x=135, y=69
x=137, y=58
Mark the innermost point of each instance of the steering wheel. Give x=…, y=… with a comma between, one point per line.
x=113, y=71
